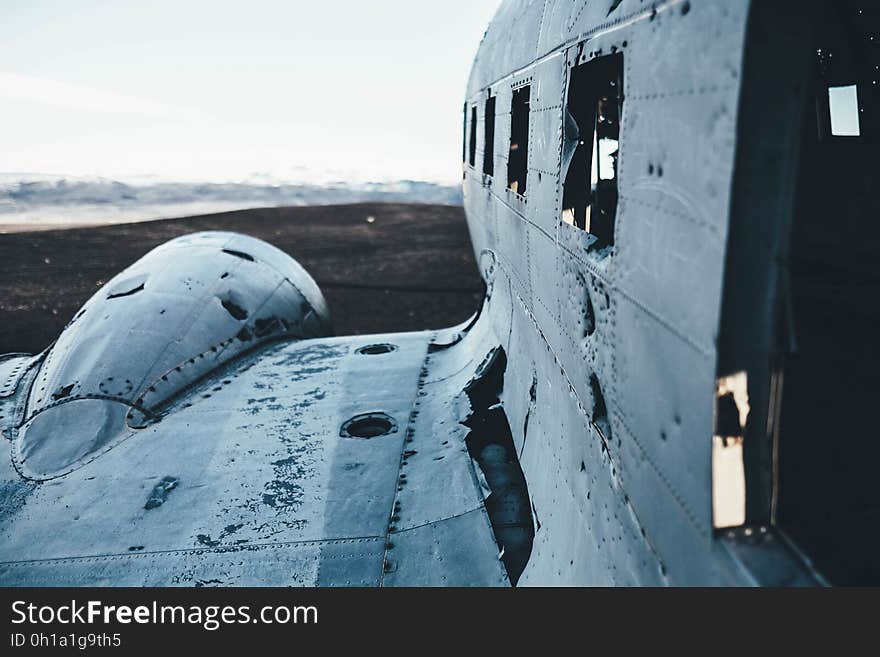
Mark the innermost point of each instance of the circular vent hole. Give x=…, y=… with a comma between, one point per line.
x=377, y=349
x=370, y=425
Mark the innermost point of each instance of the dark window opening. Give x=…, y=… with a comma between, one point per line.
x=591, y=148
x=828, y=501
x=489, y=135
x=464, y=135
x=472, y=156
x=518, y=159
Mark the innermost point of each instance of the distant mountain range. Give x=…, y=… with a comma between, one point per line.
x=57, y=200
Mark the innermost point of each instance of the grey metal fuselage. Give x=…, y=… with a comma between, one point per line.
x=243, y=472
x=613, y=353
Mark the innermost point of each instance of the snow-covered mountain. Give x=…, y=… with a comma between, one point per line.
x=34, y=199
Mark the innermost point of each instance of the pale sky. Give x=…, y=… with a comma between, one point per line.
x=218, y=90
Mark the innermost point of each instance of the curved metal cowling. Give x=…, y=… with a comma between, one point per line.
x=150, y=333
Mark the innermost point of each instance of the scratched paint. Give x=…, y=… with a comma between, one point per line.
x=608, y=392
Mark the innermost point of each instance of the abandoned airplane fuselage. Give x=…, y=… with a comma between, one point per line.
x=664, y=267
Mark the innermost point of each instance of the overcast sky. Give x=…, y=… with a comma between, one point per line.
x=216, y=90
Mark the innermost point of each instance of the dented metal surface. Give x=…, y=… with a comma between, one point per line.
x=153, y=331
x=612, y=352
x=194, y=426
x=264, y=477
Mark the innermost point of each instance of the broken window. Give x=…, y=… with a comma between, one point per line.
x=591, y=147
x=472, y=157
x=489, y=135
x=518, y=159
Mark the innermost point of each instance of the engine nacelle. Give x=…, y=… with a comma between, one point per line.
x=151, y=333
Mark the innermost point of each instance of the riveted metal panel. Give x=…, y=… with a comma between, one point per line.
x=262, y=464
x=587, y=531
x=355, y=562
x=461, y=551
x=608, y=390
x=612, y=353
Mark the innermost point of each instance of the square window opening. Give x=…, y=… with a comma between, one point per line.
x=464, y=135
x=518, y=158
x=592, y=147
x=472, y=155
x=489, y=137
x=843, y=107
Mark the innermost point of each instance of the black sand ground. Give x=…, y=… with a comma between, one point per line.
x=409, y=268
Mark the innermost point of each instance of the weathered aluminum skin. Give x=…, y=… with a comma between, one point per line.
x=243, y=473
x=626, y=499
x=221, y=459
x=246, y=480
x=185, y=308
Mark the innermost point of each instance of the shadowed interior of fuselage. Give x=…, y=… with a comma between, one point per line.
x=828, y=452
